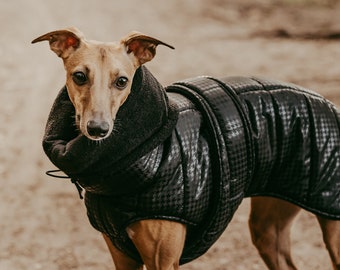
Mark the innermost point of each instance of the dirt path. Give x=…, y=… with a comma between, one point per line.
x=43, y=224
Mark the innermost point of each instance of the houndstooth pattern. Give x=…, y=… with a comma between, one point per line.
x=272, y=139
x=296, y=143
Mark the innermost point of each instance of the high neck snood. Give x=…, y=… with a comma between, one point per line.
x=144, y=121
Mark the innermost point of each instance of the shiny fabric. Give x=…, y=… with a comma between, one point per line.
x=234, y=137
x=296, y=138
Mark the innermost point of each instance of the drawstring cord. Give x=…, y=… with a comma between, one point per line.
x=55, y=174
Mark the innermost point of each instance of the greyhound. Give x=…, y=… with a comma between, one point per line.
x=98, y=82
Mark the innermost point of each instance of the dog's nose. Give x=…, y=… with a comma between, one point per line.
x=97, y=129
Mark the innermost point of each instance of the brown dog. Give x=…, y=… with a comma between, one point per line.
x=99, y=79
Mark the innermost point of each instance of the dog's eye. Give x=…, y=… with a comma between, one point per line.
x=79, y=78
x=121, y=82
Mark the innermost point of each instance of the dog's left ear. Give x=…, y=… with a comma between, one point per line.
x=63, y=42
x=142, y=46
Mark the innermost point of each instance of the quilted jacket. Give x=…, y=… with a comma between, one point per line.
x=232, y=138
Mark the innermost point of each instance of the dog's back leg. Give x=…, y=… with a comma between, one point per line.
x=331, y=237
x=121, y=261
x=270, y=222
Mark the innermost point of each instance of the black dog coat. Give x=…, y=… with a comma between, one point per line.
x=193, y=154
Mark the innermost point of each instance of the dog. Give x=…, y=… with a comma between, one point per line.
x=99, y=90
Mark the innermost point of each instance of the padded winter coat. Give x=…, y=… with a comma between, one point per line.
x=197, y=150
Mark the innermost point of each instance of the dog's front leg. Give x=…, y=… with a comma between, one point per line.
x=121, y=261
x=331, y=237
x=159, y=242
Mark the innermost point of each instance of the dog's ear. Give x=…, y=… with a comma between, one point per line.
x=63, y=42
x=142, y=46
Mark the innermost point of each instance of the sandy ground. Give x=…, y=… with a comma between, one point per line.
x=43, y=224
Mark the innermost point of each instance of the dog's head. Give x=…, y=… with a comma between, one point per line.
x=99, y=75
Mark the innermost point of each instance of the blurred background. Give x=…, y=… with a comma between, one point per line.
x=43, y=224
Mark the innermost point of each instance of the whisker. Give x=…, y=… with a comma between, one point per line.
x=117, y=126
x=75, y=125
